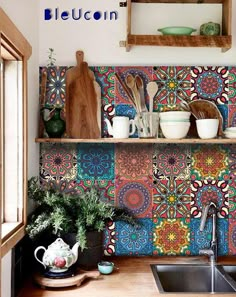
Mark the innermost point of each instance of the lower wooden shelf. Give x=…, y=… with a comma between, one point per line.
x=137, y=140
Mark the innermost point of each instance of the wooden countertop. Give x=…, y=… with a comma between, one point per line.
x=134, y=278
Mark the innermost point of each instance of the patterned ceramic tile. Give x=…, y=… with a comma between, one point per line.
x=125, y=110
x=232, y=199
x=106, y=188
x=174, y=84
x=144, y=72
x=133, y=162
x=171, y=162
x=201, y=239
x=134, y=240
x=224, y=110
x=109, y=239
x=209, y=190
x=210, y=83
x=171, y=199
x=209, y=162
x=108, y=112
x=58, y=162
x=105, y=76
x=232, y=236
x=232, y=85
x=56, y=85
x=65, y=186
x=136, y=196
x=232, y=116
x=232, y=161
x=171, y=237
x=95, y=161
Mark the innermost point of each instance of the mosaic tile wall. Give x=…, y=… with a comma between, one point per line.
x=164, y=185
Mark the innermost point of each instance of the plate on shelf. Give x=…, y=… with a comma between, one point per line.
x=176, y=30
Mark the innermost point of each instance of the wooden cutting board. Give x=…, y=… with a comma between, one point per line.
x=83, y=101
x=75, y=280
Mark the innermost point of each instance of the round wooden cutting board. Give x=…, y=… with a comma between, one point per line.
x=75, y=280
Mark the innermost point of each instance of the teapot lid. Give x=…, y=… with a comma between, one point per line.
x=59, y=244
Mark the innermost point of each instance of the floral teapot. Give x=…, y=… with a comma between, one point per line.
x=58, y=257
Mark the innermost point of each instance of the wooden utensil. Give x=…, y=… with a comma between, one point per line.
x=83, y=101
x=140, y=88
x=130, y=82
x=152, y=89
x=125, y=89
x=208, y=110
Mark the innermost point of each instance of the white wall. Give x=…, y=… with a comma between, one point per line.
x=24, y=14
x=100, y=39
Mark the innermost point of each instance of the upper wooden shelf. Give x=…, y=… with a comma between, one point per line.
x=137, y=140
x=223, y=41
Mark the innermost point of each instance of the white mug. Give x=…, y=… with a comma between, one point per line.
x=121, y=127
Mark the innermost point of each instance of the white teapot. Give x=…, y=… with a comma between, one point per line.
x=58, y=257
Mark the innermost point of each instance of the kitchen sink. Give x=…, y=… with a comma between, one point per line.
x=195, y=278
x=231, y=270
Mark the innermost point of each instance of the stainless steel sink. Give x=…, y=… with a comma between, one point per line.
x=192, y=279
x=231, y=270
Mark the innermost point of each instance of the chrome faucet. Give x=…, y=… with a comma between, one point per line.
x=212, y=252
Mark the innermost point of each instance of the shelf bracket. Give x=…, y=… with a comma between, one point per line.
x=124, y=43
x=123, y=4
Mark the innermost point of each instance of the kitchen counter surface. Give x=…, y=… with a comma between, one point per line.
x=133, y=278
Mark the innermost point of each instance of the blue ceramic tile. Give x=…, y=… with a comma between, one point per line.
x=128, y=111
x=201, y=240
x=225, y=114
x=95, y=161
x=134, y=241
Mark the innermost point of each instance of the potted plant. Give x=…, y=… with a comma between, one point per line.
x=82, y=217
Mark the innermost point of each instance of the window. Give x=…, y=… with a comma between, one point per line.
x=14, y=53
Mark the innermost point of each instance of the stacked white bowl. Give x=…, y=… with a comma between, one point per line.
x=230, y=132
x=175, y=124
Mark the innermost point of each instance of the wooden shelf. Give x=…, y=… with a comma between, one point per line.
x=223, y=41
x=181, y=41
x=138, y=140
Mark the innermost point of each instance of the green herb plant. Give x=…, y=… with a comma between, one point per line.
x=51, y=59
x=60, y=213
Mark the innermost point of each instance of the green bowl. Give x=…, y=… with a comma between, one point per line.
x=176, y=30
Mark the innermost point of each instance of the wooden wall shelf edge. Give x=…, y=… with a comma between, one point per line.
x=138, y=140
x=181, y=41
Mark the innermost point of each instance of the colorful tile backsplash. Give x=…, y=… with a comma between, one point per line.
x=164, y=185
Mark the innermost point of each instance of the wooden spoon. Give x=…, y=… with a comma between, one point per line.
x=152, y=89
x=130, y=82
x=139, y=84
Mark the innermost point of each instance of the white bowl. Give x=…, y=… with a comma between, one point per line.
x=230, y=129
x=175, y=130
x=207, y=128
x=230, y=135
x=175, y=115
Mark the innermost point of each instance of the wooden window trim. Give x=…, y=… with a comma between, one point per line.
x=9, y=32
